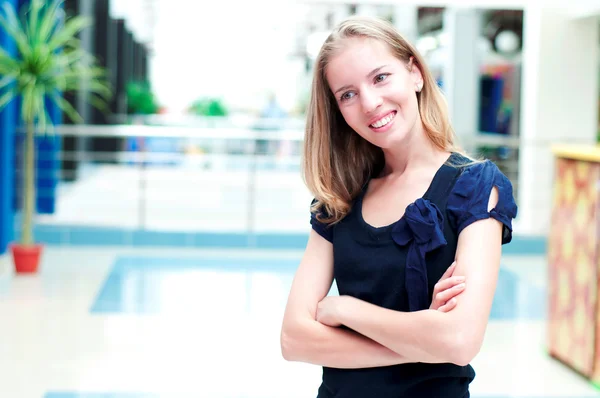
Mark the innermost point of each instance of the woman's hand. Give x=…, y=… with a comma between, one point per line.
x=446, y=290
x=328, y=310
x=444, y=299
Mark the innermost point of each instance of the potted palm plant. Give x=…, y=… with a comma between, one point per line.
x=47, y=63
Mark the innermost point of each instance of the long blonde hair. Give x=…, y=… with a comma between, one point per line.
x=338, y=162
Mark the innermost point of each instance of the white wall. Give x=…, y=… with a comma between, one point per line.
x=138, y=16
x=228, y=50
x=559, y=103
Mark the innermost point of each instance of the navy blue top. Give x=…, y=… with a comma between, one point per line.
x=397, y=266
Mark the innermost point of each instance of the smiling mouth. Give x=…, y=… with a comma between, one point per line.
x=383, y=121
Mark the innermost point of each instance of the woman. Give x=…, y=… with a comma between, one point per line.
x=396, y=205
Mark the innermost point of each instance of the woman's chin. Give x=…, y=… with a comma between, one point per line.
x=388, y=141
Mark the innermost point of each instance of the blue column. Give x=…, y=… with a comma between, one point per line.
x=8, y=118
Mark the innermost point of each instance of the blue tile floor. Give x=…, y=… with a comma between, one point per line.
x=180, y=323
x=142, y=285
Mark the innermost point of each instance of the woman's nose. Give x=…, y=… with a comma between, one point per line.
x=370, y=101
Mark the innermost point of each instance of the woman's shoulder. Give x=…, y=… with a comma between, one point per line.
x=470, y=196
x=324, y=221
x=318, y=213
x=479, y=172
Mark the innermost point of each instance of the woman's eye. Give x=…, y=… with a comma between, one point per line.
x=381, y=77
x=347, y=96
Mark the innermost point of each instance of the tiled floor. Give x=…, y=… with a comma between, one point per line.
x=132, y=323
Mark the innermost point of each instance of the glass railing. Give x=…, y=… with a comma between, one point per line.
x=181, y=178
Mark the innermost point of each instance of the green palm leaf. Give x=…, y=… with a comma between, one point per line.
x=101, y=89
x=6, y=81
x=64, y=35
x=48, y=22
x=49, y=57
x=99, y=104
x=66, y=107
x=7, y=63
x=11, y=24
x=6, y=98
x=32, y=23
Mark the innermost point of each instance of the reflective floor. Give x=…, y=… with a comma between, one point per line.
x=132, y=323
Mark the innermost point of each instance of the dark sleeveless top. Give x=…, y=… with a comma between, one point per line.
x=397, y=266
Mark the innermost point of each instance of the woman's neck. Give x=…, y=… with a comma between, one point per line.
x=416, y=151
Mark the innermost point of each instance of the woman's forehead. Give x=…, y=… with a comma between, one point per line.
x=357, y=58
x=364, y=48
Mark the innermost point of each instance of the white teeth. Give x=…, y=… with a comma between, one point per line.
x=382, y=122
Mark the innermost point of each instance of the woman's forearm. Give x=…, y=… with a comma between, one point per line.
x=424, y=336
x=318, y=344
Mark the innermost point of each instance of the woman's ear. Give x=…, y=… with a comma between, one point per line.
x=418, y=87
x=415, y=73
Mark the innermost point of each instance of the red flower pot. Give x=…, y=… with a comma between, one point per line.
x=26, y=258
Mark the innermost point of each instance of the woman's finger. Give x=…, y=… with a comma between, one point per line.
x=447, y=294
x=448, y=283
x=448, y=306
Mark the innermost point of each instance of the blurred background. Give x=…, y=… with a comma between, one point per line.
x=171, y=225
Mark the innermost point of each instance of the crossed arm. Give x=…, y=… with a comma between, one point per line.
x=382, y=337
x=305, y=339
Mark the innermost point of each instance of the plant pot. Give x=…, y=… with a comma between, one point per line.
x=26, y=258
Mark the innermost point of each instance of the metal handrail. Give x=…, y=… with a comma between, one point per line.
x=128, y=131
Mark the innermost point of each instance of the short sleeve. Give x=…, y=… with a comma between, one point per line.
x=468, y=201
x=326, y=231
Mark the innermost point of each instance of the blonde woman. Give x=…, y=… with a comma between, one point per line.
x=397, y=208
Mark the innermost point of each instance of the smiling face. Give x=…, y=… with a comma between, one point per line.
x=375, y=91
